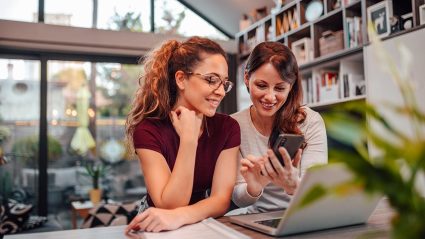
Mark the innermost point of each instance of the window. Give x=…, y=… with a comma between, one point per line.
x=19, y=10
x=173, y=17
x=77, y=13
x=88, y=102
x=19, y=126
x=133, y=15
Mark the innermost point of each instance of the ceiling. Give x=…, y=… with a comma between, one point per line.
x=225, y=14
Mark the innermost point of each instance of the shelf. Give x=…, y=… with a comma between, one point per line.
x=340, y=21
x=331, y=57
x=286, y=7
x=354, y=6
x=299, y=30
x=327, y=18
x=279, y=38
x=253, y=26
x=334, y=102
x=243, y=56
x=400, y=33
x=286, y=20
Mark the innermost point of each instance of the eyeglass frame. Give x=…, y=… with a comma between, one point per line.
x=222, y=82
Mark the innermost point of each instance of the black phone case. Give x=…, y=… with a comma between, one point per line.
x=291, y=142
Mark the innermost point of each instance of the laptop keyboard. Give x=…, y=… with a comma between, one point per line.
x=270, y=222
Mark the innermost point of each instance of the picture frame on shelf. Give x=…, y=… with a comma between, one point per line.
x=422, y=14
x=302, y=50
x=379, y=14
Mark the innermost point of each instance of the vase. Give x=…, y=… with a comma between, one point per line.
x=95, y=195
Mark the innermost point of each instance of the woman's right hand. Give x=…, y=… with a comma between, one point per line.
x=186, y=123
x=156, y=220
x=251, y=171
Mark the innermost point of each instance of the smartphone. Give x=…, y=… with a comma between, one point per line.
x=291, y=142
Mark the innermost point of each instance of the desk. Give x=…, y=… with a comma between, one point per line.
x=377, y=227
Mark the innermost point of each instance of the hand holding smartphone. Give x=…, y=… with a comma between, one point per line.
x=291, y=142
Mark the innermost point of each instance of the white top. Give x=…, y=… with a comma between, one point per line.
x=254, y=143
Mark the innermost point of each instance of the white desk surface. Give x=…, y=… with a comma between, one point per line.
x=377, y=227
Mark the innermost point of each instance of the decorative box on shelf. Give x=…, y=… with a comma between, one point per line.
x=302, y=50
x=331, y=42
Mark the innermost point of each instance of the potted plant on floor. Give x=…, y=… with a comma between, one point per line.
x=4, y=135
x=96, y=172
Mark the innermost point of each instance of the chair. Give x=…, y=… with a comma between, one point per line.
x=110, y=215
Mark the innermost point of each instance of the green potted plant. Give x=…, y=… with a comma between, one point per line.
x=399, y=163
x=4, y=135
x=96, y=172
x=27, y=149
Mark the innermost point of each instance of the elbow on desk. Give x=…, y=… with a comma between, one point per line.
x=221, y=206
x=170, y=205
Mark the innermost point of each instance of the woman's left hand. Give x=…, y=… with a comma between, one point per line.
x=286, y=177
x=156, y=220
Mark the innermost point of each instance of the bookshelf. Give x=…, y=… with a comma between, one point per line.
x=331, y=46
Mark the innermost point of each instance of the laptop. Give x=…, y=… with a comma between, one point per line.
x=330, y=211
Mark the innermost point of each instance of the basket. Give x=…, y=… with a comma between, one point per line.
x=331, y=42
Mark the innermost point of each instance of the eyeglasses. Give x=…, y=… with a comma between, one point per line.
x=214, y=81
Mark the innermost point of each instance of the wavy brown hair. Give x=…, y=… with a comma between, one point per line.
x=283, y=60
x=157, y=93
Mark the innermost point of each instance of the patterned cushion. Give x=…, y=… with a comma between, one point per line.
x=13, y=216
x=104, y=214
x=34, y=222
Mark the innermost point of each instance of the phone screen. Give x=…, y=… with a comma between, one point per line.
x=291, y=142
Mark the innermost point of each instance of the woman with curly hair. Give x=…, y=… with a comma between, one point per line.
x=187, y=151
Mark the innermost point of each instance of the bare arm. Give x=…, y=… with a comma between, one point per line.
x=155, y=219
x=221, y=191
x=169, y=189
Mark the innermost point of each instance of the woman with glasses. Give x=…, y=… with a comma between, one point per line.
x=185, y=148
x=273, y=82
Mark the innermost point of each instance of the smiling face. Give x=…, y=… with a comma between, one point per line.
x=268, y=90
x=195, y=93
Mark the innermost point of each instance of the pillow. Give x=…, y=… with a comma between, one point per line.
x=104, y=214
x=13, y=216
x=34, y=222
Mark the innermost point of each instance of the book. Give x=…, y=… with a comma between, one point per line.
x=352, y=85
x=206, y=229
x=353, y=36
x=329, y=88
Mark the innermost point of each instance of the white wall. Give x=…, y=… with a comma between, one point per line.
x=381, y=88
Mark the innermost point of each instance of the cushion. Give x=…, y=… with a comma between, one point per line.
x=103, y=214
x=34, y=222
x=13, y=216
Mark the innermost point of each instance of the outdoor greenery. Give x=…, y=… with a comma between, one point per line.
x=27, y=149
x=130, y=22
x=4, y=134
x=172, y=19
x=117, y=86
